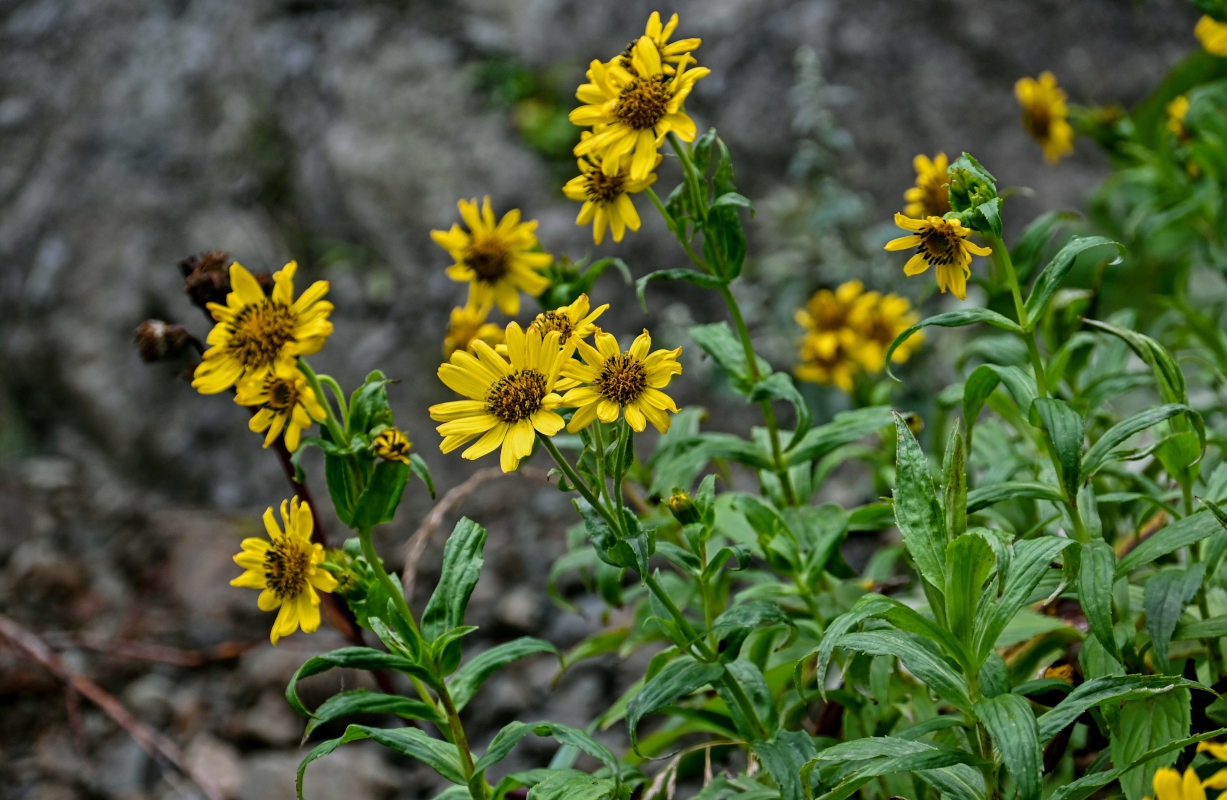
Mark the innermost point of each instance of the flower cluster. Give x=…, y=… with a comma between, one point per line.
x=848, y=331
x=255, y=347
x=518, y=391
x=630, y=103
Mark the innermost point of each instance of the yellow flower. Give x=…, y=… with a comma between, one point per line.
x=825, y=318
x=392, y=445
x=1171, y=785
x=466, y=324
x=1212, y=35
x=1044, y=115
x=573, y=322
x=877, y=320
x=508, y=398
x=670, y=52
x=286, y=403
x=286, y=569
x=630, y=110
x=942, y=244
x=622, y=383
x=1177, y=110
x=606, y=195
x=497, y=259
x=832, y=367
x=255, y=330
x=930, y=197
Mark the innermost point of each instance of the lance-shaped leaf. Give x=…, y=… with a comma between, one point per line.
x=953, y=319
x=351, y=658
x=1055, y=271
x=437, y=754
x=1101, y=690
x=364, y=701
x=1101, y=451
x=679, y=678
x=512, y=733
x=1167, y=593
x=918, y=513
x=1096, y=576
x=1063, y=430
x=1181, y=533
x=1010, y=723
x=462, y=560
x=469, y=678
x=847, y=426
x=920, y=658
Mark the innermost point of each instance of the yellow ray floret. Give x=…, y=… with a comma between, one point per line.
x=466, y=324
x=1169, y=784
x=670, y=52
x=497, y=259
x=632, y=109
x=1212, y=34
x=287, y=403
x=391, y=445
x=509, y=399
x=941, y=244
x=286, y=568
x=1045, y=116
x=930, y=197
x=622, y=384
x=255, y=330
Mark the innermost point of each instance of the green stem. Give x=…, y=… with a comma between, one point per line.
x=328, y=381
x=335, y=431
x=620, y=464
x=706, y=653
x=389, y=586
x=598, y=439
x=1001, y=256
x=477, y=789
x=694, y=257
x=581, y=485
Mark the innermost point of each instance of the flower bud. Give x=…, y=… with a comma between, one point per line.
x=683, y=508
x=157, y=340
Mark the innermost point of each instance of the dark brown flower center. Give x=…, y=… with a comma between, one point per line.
x=940, y=244
x=602, y=188
x=488, y=257
x=1037, y=119
x=644, y=102
x=935, y=197
x=516, y=396
x=280, y=394
x=559, y=321
x=286, y=564
x=622, y=379
x=259, y=331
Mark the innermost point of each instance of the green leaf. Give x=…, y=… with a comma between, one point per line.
x=746, y=675
x=780, y=386
x=676, y=680
x=969, y=562
x=887, y=755
x=1101, y=451
x=983, y=382
x=363, y=701
x=368, y=405
x=920, y=659
x=703, y=279
x=512, y=733
x=1015, y=735
x=1055, y=271
x=847, y=426
x=573, y=787
x=381, y=495
x=413, y=742
x=918, y=513
x=1147, y=723
x=1031, y=562
x=724, y=346
x=1096, y=576
x=1167, y=373
x=351, y=658
x=462, y=560
x=954, y=491
x=784, y=756
x=953, y=319
x=1167, y=593
x=1101, y=690
x=734, y=625
x=1064, y=431
x=469, y=678
x=1181, y=533
x=342, y=485
x=985, y=496
x=417, y=465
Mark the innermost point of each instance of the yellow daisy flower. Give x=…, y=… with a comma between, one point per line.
x=496, y=259
x=825, y=317
x=391, y=445
x=573, y=322
x=1171, y=785
x=1177, y=110
x=466, y=324
x=508, y=399
x=286, y=403
x=606, y=196
x=1212, y=34
x=670, y=52
x=942, y=244
x=630, y=110
x=1045, y=115
x=831, y=367
x=255, y=330
x=286, y=568
x=876, y=320
x=621, y=383
x=930, y=197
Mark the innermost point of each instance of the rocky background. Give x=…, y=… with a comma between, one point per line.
x=339, y=134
